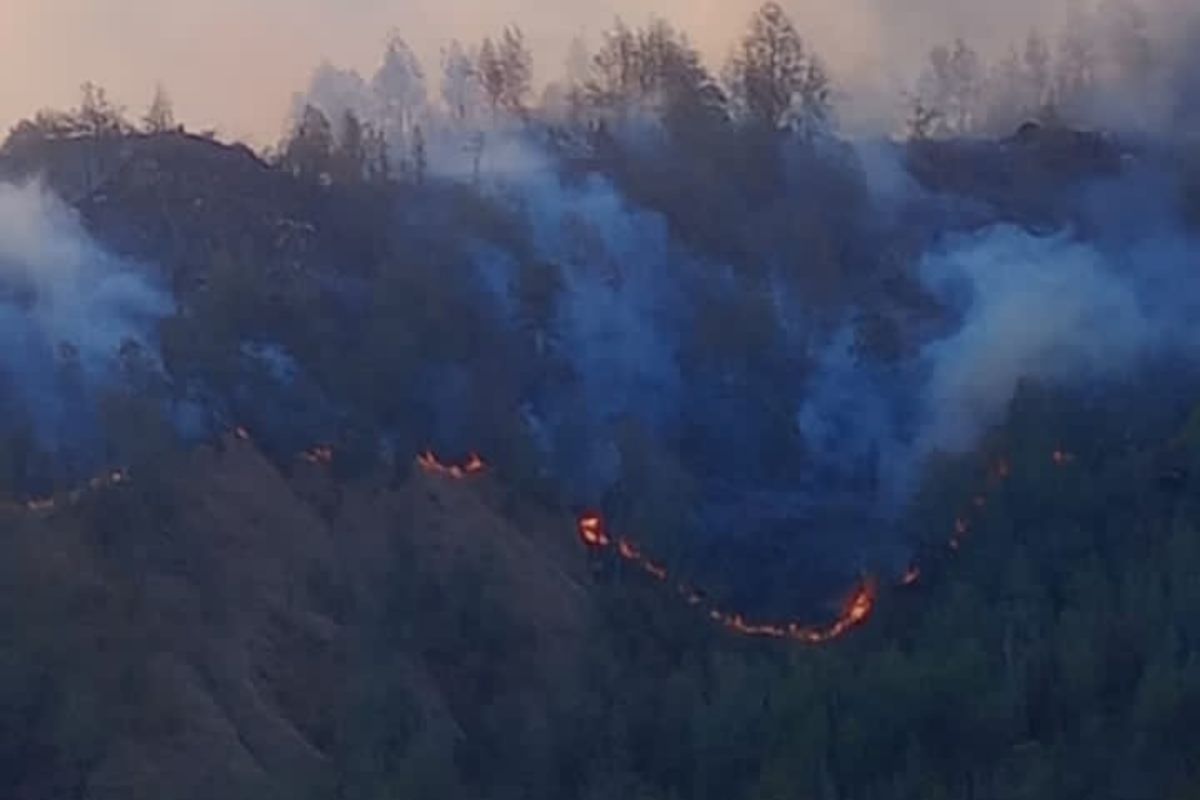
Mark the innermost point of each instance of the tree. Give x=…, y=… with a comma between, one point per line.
x=1036, y=60
x=491, y=73
x=779, y=84
x=923, y=118
x=952, y=88
x=517, y=65
x=577, y=67
x=350, y=158
x=309, y=152
x=399, y=89
x=506, y=71
x=461, y=89
x=578, y=63
x=338, y=91
x=420, y=158
x=966, y=83
x=97, y=115
x=655, y=68
x=615, y=67
x=160, y=117
x=1008, y=100
x=375, y=154
x=1077, y=62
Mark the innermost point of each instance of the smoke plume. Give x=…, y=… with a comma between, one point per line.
x=66, y=308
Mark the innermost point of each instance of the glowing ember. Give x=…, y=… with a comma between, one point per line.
x=241, y=433
x=429, y=462
x=591, y=531
x=911, y=576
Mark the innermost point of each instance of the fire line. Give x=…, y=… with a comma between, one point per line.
x=594, y=534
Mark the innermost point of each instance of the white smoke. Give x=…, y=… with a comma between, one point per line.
x=1042, y=309
x=62, y=299
x=1045, y=309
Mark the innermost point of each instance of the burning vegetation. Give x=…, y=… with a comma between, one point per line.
x=593, y=532
x=855, y=610
x=430, y=463
x=860, y=601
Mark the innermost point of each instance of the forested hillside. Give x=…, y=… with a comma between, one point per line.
x=654, y=437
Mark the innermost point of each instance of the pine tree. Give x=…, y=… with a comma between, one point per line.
x=160, y=116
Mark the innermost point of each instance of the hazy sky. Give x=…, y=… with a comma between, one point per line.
x=233, y=64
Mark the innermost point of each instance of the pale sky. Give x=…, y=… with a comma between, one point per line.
x=233, y=65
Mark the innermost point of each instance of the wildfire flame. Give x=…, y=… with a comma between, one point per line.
x=855, y=611
x=474, y=465
x=858, y=606
x=593, y=532
x=594, y=535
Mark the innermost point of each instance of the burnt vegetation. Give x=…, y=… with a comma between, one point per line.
x=275, y=597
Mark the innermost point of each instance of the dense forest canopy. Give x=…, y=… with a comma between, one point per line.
x=645, y=434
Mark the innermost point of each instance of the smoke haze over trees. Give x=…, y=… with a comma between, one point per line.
x=778, y=350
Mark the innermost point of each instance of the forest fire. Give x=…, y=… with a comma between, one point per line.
x=474, y=465
x=591, y=531
x=594, y=535
x=856, y=610
x=858, y=607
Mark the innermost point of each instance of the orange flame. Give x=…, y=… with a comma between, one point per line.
x=474, y=465
x=856, y=610
x=594, y=535
x=591, y=531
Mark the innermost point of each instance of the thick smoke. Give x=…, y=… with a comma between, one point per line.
x=617, y=314
x=1047, y=309
x=1065, y=309
x=66, y=309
